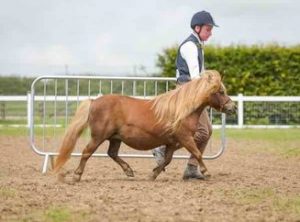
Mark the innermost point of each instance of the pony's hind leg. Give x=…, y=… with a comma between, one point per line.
x=86, y=154
x=113, y=150
x=168, y=157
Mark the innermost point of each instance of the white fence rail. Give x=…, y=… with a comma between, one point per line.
x=267, y=111
x=282, y=111
x=253, y=111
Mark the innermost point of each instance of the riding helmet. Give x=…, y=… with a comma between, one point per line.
x=202, y=18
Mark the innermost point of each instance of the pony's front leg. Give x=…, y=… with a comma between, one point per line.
x=86, y=154
x=168, y=157
x=190, y=145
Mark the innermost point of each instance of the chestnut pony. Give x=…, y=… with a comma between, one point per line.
x=169, y=119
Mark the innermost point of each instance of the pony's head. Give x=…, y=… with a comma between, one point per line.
x=220, y=101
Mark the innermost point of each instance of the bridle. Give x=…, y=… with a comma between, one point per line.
x=222, y=105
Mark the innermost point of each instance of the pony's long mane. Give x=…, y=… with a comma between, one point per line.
x=172, y=107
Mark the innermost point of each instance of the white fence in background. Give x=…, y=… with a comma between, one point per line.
x=273, y=111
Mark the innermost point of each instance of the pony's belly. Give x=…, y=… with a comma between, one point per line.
x=139, y=139
x=144, y=142
x=140, y=145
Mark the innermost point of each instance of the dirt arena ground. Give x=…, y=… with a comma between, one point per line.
x=246, y=185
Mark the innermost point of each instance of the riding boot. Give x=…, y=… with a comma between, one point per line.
x=191, y=172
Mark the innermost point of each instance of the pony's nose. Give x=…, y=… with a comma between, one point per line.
x=231, y=109
x=234, y=108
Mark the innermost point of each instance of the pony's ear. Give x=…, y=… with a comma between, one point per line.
x=209, y=77
x=223, y=74
x=222, y=77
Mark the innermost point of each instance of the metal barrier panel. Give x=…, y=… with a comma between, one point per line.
x=54, y=100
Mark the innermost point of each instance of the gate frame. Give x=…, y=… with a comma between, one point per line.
x=50, y=155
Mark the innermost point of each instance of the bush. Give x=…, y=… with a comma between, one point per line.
x=261, y=70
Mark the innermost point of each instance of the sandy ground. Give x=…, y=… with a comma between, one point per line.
x=245, y=186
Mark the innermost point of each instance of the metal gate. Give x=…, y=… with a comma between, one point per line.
x=54, y=99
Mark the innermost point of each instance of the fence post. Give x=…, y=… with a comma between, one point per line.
x=28, y=109
x=3, y=110
x=240, y=110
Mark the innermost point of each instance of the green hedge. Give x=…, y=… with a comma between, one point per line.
x=251, y=70
x=14, y=85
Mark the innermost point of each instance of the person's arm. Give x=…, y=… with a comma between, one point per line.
x=189, y=53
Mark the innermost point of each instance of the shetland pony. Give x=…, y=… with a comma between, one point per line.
x=169, y=119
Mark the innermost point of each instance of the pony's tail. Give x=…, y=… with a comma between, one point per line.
x=75, y=129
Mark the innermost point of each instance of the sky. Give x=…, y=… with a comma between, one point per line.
x=55, y=37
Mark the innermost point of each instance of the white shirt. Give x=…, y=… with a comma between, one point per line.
x=189, y=53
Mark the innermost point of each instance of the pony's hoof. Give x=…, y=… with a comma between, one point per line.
x=152, y=177
x=206, y=174
x=61, y=178
x=129, y=173
x=76, y=178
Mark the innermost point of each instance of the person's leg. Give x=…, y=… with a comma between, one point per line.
x=202, y=136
